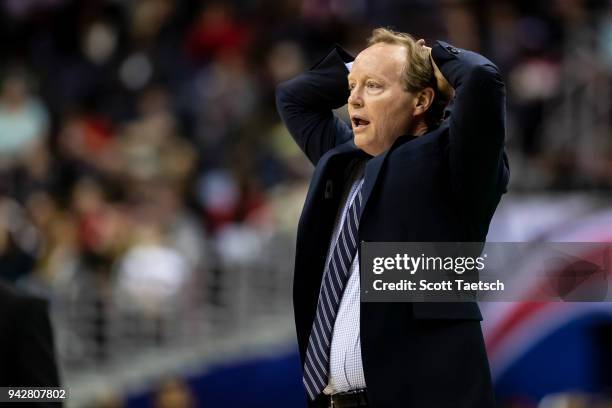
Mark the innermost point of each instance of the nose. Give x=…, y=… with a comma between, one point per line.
x=355, y=99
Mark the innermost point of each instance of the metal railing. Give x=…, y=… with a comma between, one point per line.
x=110, y=343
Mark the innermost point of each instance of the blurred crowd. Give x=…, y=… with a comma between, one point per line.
x=140, y=146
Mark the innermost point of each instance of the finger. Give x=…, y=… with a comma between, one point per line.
x=421, y=42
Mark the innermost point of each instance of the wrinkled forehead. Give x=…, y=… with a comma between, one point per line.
x=381, y=59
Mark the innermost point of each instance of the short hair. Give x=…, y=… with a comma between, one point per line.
x=418, y=73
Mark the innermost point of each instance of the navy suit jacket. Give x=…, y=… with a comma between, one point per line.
x=442, y=186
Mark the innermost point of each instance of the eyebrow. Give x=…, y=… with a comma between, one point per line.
x=370, y=76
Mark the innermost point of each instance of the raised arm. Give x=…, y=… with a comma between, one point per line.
x=305, y=105
x=476, y=126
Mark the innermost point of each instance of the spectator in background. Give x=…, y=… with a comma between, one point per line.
x=23, y=119
x=23, y=130
x=174, y=393
x=19, y=241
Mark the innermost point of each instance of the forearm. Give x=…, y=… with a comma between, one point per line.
x=478, y=113
x=457, y=65
x=305, y=104
x=476, y=127
x=324, y=86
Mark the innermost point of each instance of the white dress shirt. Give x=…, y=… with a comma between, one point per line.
x=345, y=366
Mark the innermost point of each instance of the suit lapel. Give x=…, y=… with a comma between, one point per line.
x=372, y=171
x=321, y=170
x=374, y=166
x=344, y=148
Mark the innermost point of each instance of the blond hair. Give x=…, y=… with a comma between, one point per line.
x=418, y=73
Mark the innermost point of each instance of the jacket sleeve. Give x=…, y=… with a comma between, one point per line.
x=305, y=105
x=479, y=167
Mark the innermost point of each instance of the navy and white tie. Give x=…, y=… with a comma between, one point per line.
x=336, y=274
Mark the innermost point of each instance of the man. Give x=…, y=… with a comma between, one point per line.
x=27, y=356
x=400, y=174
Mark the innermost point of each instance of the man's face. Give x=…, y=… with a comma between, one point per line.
x=380, y=108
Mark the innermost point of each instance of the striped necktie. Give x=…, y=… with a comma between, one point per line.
x=316, y=363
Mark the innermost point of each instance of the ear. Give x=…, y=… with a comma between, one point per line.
x=423, y=101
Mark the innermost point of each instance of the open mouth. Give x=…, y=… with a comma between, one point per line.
x=359, y=123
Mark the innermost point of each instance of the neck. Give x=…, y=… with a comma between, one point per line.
x=420, y=129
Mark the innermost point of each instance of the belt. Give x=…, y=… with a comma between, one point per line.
x=349, y=399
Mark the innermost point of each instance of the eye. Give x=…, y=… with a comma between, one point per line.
x=351, y=86
x=373, y=85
